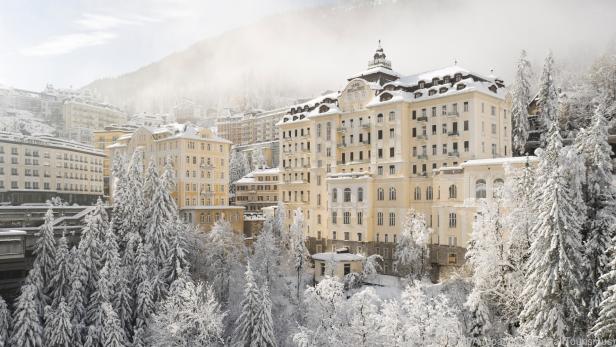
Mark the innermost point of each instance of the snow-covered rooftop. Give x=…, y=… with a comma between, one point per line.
x=338, y=257
x=375, y=69
x=48, y=141
x=499, y=161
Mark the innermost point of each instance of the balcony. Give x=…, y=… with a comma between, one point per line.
x=422, y=156
x=455, y=154
x=341, y=129
x=422, y=118
x=453, y=133
x=366, y=125
x=422, y=137
x=366, y=142
x=453, y=114
x=341, y=145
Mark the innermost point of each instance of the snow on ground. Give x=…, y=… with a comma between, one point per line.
x=24, y=122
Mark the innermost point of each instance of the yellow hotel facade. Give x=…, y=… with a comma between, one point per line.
x=357, y=160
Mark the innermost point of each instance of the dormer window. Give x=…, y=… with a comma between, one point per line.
x=442, y=90
x=323, y=109
x=492, y=88
x=435, y=81
x=386, y=96
x=421, y=84
x=446, y=79
x=458, y=77
x=461, y=86
x=432, y=92
x=418, y=94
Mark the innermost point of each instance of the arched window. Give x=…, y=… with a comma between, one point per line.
x=379, y=218
x=347, y=194
x=392, y=193
x=417, y=193
x=453, y=191
x=360, y=194
x=429, y=193
x=480, y=189
x=379, y=118
x=380, y=194
x=497, y=188
x=335, y=195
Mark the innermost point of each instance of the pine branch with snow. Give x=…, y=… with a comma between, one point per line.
x=5, y=323
x=27, y=325
x=45, y=249
x=58, y=326
x=520, y=99
x=298, y=250
x=59, y=285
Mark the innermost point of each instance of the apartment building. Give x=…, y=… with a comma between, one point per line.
x=250, y=127
x=35, y=169
x=81, y=116
x=356, y=160
x=201, y=161
x=257, y=189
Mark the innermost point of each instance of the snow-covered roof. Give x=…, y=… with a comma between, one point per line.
x=499, y=161
x=13, y=233
x=49, y=141
x=337, y=257
x=428, y=76
x=373, y=70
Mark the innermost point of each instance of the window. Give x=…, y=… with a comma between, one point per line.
x=392, y=116
x=493, y=149
x=347, y=269
x=497, y=188
x=380, y=194
x=392, y=169
x=452, y=241
x=392, y=193
x=347, y=218
x=466, y=106
x=333, y=235
x=465, y=125
x=391, y=152
x=379, y=218
x=453, y=191
x=334, y=217
x=379, y=118
x=433, y=149
x=380, y=171
x=359, y=238
x=494, y=129
x=319, y=130
x=346, y=236
x=444, y=110
x=466, y=146
x=480, y=189
x=493, y=111
x=452, y=220
x=429, y=193
x=360, y=194
x=335, y=195
x=360, y=218
x=392, y=133
x=392, y=219
x=433, y=111
x=347, y=194
x=417, y=193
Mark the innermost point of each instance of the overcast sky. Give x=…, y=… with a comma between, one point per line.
x=72, y=42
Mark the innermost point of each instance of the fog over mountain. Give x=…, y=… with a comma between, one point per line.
x=303, y=53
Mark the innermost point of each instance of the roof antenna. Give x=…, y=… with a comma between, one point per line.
x=455, y=62
x=379, y=43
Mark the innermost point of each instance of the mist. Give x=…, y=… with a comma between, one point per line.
x=303, y=53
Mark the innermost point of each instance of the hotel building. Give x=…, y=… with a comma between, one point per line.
x=81, y=116
x=356, y=160
x=258, y=189
x=35, y=169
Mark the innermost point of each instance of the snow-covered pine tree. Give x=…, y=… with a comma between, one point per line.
x=162, y=214
x=77, y=308
x=520, y=98
x=58, y=326
x=5, y=323
x=59, y=285
x=258, y=160
x=553, y=307
x=89, y=251
x=112, y=334
x=325, y=305
x=123, y=300
x=94, y=314
x=133, y=210
x=177, y=257
x=35, y=279
x=547, y=99
x=245, y=164
x=266, y=256
x=45, y=249
x=151, y=180
x=604, y=328
x=246, y=322
x=27, y=326
x=279, y=227
x=299, y=252
x=144, y=305
x=600, y=197
x=412, y=252
x=263, y=331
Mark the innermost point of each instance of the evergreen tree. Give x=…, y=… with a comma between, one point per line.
x=112, y=334
x=553, y=307
x=58, y=327
x=134, y=206
x=247, y=321
x=59, y=285
x=89, y=250
x=77, y=308
x=263, y=332
x=94, y=314
x=604, y=328
x=144, y=305
x=364, y=319
x=299, y=252
x=600, y=197
x=27, y=326
x=412, y=253
x=177, y=257
x=123, y=300
x=266, y=256
x=45, y=249
x=519, y=104
x=36, y=280
x=151, y=180
x=547, y=99
x=5, y=322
